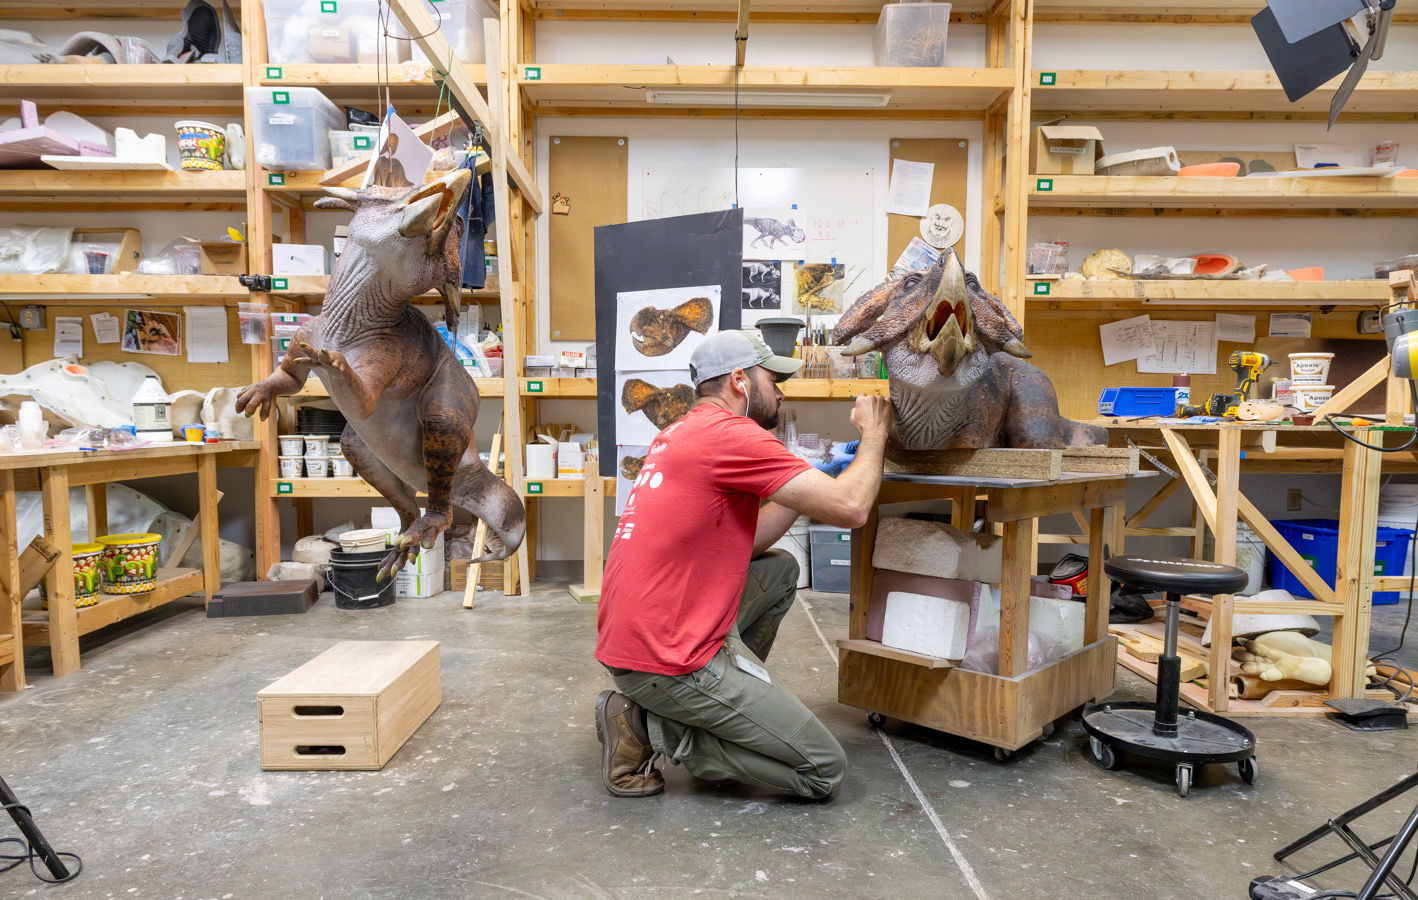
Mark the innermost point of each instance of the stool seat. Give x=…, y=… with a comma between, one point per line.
x=1175, y=575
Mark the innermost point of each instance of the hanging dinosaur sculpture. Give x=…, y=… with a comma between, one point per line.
x=956, y=361
x=409, y=404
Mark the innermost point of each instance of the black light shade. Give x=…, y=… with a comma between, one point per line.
x=1298, y=19
x=1308, y=63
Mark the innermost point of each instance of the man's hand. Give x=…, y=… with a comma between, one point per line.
x=842, y=456
x=871, y=416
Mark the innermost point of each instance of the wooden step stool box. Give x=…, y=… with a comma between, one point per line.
x=351, y=707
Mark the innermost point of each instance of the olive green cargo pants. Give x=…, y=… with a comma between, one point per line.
x=723, y=722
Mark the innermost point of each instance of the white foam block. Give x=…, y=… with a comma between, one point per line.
x=933, y=626
x=938, y=550
x=1059, y=620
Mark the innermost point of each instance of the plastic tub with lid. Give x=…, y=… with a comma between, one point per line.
x=1151, y=161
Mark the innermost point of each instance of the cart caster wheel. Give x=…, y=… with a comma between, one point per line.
x=1248, y=769
x=876, y=720
x=1048, y=731
x=1184, y=779
x=1102, y=754
x=1003, y=755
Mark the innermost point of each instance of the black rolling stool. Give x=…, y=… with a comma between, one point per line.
x=1155, y=729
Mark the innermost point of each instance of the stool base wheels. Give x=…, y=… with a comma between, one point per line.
x=1184, y=779
x=1248, y=769
x=1102, y=754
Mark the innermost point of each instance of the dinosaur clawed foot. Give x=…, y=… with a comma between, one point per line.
x=419, y=535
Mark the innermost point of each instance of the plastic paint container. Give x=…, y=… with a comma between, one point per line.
x=292, y=445
x=88, y=560
x=317, y=467
x=1310, y=397
x=201, y=145
x=340, y=467
x=317, y=445
x=334, y=450
x=194, y=434
x=130, y=562
x=1309, y=368
x=364, y=540
x=292, y=466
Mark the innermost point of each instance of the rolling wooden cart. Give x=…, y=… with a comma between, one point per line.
x=1015, y=707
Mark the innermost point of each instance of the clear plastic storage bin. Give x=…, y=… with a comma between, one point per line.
x=348, y=146
x=912, y=34
x=330, y=31
x=461, y=22
x=292, y=128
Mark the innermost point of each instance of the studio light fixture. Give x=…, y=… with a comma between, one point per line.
x=1309, y=42
x=819, y=100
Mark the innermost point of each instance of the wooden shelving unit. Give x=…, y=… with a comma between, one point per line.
x=121, y=86
x=1126, y=294
x=844, y=91
x=1311, y=193
x=1168, y=93
x=194, y=289
x=113, y=608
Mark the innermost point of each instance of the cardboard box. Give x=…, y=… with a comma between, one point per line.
x=221, y=257
x=417, y=587
x=299, y=259
x=1065, y=149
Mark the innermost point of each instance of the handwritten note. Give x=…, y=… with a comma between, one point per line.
x=910, y=191
x=1125, y=340
x=1181, y=347
x=1236, y=329
x=206, y=334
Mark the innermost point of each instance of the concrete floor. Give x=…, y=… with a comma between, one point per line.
x=145, y=762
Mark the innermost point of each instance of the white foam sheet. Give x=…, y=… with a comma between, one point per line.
x=938, y=550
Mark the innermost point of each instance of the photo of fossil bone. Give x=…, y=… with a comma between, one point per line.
x=650, y=401
x=819, y=288
x=659, y=329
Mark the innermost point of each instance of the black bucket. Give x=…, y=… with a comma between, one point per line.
x=352, y=579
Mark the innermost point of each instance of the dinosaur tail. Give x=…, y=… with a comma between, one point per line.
x=493, y=501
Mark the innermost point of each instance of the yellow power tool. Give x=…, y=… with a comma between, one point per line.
x=1248, y=366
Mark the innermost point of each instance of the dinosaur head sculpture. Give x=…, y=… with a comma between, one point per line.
x=405, y=241
x=928, y=324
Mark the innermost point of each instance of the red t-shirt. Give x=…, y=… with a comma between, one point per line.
x=681, y=551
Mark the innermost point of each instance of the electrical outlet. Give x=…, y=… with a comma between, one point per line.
x=1369, y=322
x=1293, y=498
x=32, y=318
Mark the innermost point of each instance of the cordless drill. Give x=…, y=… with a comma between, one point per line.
x=1248, y=366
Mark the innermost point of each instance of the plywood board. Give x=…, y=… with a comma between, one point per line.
x=951, y=159
x=587, y=180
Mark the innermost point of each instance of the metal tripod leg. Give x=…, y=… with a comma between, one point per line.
x=1384, y=869
x=32, y=834
x=1334, y=825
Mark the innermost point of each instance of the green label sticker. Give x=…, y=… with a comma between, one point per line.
x=280, y=284
x=285, y=343
x=280, y=97
x=274, y=73
x=535, y=387
x=1048, y=79
x=363, y=142
x=276, y=179
x=1043, y=184
x=329, y=6
x=285, y=487
x=1309, y=561
x=534, y=487
x=1041, y=288
x=844, y=538
x=532, y=73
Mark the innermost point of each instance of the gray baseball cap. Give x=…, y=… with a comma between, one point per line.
x=721, y=353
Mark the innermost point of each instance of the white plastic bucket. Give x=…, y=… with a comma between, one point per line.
x=796, y=543
x=292, y=467
x=1310, y=397
x=340, y=467
x=362, y=540
x=292, y=445
x=317, y=445
x=1399, y=501
x=317, y=467
x=1309, y=368
x=1250, y=557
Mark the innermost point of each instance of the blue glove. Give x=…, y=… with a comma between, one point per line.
x=842, y=455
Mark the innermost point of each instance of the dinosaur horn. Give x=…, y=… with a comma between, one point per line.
x=340, y=198
x=1016, y=348
x=859, y=345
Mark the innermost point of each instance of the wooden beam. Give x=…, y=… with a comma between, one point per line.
x=1287, y=554
x=741, y=35
x=1020, y=537
x=1354, y=574
x=1202, y=494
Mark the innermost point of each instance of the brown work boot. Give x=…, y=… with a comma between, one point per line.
x=626, y=764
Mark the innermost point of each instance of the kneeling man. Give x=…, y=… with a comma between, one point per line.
x=693, y=596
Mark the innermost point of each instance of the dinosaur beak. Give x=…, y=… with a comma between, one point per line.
x=430, y=209
x=949, y=326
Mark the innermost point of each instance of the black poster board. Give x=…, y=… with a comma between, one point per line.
x=680, y=251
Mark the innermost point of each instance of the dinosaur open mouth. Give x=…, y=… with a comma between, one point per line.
x=943, y=313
